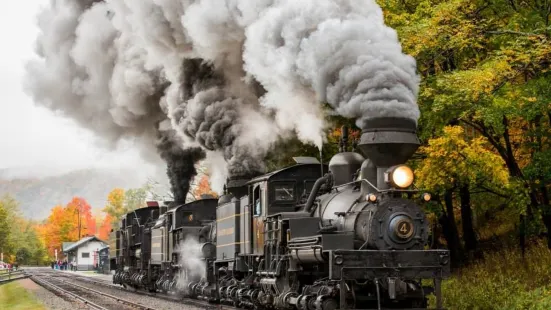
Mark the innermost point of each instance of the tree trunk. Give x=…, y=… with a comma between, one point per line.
x=522, y=234
x=547, y=223
x=506, y=152
x=546, y=211
x=469, y=235
x=449, y=229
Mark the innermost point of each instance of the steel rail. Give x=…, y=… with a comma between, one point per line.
x=46, y=283
x=167, y=297
x=163, y=296
x=118, y=299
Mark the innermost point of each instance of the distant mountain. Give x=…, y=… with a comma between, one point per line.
x=38, y=195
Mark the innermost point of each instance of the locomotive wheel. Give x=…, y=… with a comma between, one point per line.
x=329, y=304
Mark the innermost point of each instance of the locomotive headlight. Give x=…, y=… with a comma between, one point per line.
x=400, y=176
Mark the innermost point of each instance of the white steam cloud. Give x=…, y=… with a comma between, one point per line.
x=192, y=264
x=231, y=77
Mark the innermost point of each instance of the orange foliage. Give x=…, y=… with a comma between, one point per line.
x=63, y=224
x=335, y=135
x=80, y=207
x=105, y=227
x=203, y=188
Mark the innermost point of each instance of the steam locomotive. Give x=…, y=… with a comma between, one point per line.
x=350, y=234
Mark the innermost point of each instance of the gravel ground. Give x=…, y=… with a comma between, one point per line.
x=47, y=298
x=149, y=301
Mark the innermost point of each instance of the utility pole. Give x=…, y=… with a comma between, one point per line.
x=78, y=212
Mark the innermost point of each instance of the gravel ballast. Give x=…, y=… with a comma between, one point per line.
x=149, y=301
x=47, y=298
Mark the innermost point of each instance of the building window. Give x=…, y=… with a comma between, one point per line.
x=85, y=255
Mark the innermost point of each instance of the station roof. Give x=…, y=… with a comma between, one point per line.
x=65, y=245
x=82, y=241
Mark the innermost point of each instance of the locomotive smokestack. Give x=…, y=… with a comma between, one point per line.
x=389, y=141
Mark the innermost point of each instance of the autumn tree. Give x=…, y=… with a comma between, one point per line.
x=120, y=202
x=485, y=65
x=456, y=165
x=67, y=224
x=105, y=227
x=19, y=240
x=115, y=204
x=85, y=223
x=203, y=188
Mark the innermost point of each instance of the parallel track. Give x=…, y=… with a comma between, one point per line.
x=92, y=298
x=184, y=301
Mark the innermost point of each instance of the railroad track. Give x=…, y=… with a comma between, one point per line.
x=172, y=298
x=92, y=298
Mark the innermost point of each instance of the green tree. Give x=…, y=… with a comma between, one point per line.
x=5, y=231
x=135, y=198
x=18, y=237
x=23, y=256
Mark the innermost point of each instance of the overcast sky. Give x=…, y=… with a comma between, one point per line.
x=31, y=136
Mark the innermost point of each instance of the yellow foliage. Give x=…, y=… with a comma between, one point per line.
x=451, y=159
x=115, y=203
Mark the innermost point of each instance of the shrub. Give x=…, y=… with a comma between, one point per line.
x=502, y=280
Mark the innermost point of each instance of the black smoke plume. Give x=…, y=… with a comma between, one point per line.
x=212, y=116
x=180, y=163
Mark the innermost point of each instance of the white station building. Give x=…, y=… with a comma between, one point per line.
x=84, y=252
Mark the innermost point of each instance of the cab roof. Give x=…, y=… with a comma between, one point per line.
x=273, y=174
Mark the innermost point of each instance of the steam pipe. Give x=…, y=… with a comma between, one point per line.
x=314, y=192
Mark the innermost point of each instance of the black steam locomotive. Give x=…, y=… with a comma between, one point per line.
x=301, y=237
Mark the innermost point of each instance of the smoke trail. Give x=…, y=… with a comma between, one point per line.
x=340, y=49
x=192, y=264
x=305, y=52
x=88, y=73
x=180, y=162
x=217, y=30
x=213, y=117
x=116, y=68
x=94, y=70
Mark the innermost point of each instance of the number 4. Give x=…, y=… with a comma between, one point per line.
x=404, y=228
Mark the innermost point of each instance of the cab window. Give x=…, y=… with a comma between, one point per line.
x=187, y=216
x=284, y=192
x=257, y=204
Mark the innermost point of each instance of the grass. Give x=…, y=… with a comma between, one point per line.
x=502, y=280
x=15, y=297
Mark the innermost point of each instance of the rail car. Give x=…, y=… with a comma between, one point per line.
x=348, y=235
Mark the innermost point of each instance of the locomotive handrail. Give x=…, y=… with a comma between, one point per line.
x=380, y=190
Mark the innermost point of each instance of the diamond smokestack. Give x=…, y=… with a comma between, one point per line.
x=389, y=141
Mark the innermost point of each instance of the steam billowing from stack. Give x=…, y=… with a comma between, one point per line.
x=224, y=78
